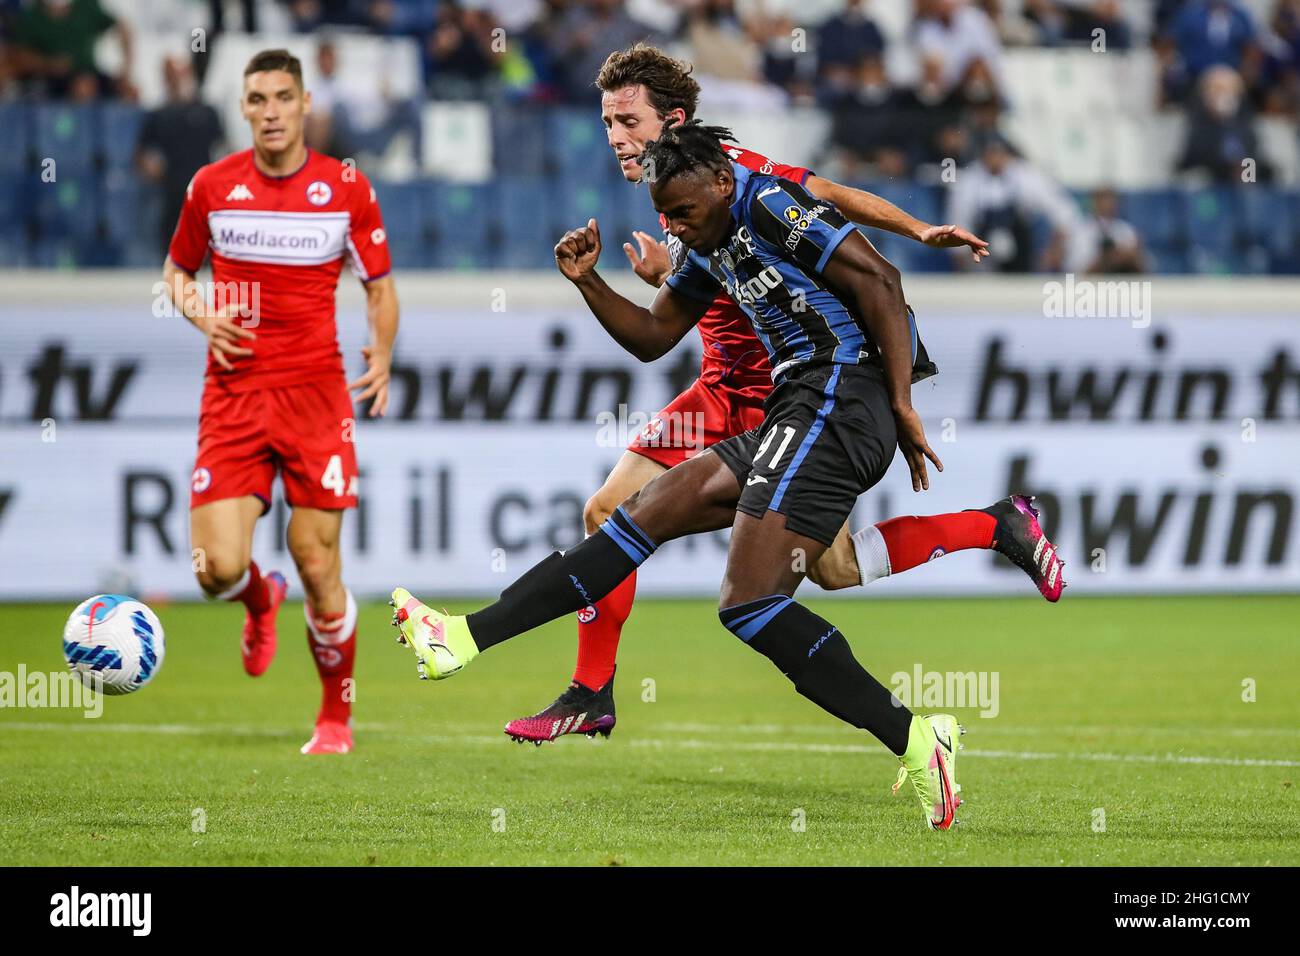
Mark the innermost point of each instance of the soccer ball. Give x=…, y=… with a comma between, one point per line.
x=113, y=643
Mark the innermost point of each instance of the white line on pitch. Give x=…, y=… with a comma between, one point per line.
x=664, y=743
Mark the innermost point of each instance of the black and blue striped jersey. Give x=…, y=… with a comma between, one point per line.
x=771, y=264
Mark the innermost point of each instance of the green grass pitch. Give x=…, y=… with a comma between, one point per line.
x=1122, y=738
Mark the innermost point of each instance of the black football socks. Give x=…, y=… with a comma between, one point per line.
x=814, y=655
x=564, y=582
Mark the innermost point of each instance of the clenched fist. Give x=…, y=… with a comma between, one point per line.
x=577, y=251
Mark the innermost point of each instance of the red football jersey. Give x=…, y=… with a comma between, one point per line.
x=277, y=245
x=733, y=356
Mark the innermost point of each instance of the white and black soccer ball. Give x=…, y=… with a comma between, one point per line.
x=114, y=643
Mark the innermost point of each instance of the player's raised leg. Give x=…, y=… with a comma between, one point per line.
x=1010, y=527
x=587, y=705
x=698, y=495
x=221, y=534
x=331, y=612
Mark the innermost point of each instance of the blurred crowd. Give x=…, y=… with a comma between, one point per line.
x=1223, y=63
x=47, y=46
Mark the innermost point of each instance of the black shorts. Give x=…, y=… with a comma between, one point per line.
x=827, y=436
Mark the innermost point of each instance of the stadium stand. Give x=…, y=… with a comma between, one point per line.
x=1086, y=118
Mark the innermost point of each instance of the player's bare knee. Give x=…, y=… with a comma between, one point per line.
x=833, y=573
x=741, y=592
x=217, y=574
x=596, y=510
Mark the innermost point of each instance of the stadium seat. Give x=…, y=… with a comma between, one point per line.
x=523, y=216
x=1168, y=259
x=15, y=157
x=1153, y=214
x=119, y=132
x=1210, y=222
x=15, y=203
x=14, y=249
x=66, y=133
x=403, y=211
x=576, y=145
x=130, y=211
x=926, y=259
x=1267, y=216
x=519, y=141
x=53, y=254
x=69, y=208
x=460, y=222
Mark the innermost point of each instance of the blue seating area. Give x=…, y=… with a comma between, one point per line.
x=70, y=197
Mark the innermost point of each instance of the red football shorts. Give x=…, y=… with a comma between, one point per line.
x=701, y=416
x=304, y=432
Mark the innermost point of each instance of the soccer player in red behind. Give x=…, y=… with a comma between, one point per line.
x=278, y=220
x=642, y=90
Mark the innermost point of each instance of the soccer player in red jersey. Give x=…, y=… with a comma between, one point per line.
x=642, y=90
x=277, y=222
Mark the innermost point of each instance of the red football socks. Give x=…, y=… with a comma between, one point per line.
x=598, y=634
x=254, y=595
x=334, y=656
x=915, y=540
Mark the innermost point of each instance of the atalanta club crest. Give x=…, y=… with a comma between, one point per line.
x=587, y=614
x=319, y=193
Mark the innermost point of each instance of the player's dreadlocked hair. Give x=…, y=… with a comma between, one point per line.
x=684, y=147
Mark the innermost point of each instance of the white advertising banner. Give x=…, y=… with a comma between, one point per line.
x=1166, y=452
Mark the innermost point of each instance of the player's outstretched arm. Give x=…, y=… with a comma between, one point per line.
x=870, y=210
x=864, y=277
x=645, y=333
x=223, y=334
x=381, y=313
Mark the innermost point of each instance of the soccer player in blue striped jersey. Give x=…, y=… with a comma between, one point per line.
x=844, y=351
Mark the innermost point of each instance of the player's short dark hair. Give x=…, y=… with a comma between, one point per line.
x=683, y=148
x=268, y=60
x=667, y=81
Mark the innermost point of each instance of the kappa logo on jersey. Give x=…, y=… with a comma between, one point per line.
x=240, y=193
x=201, y=481
x=319, y=193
